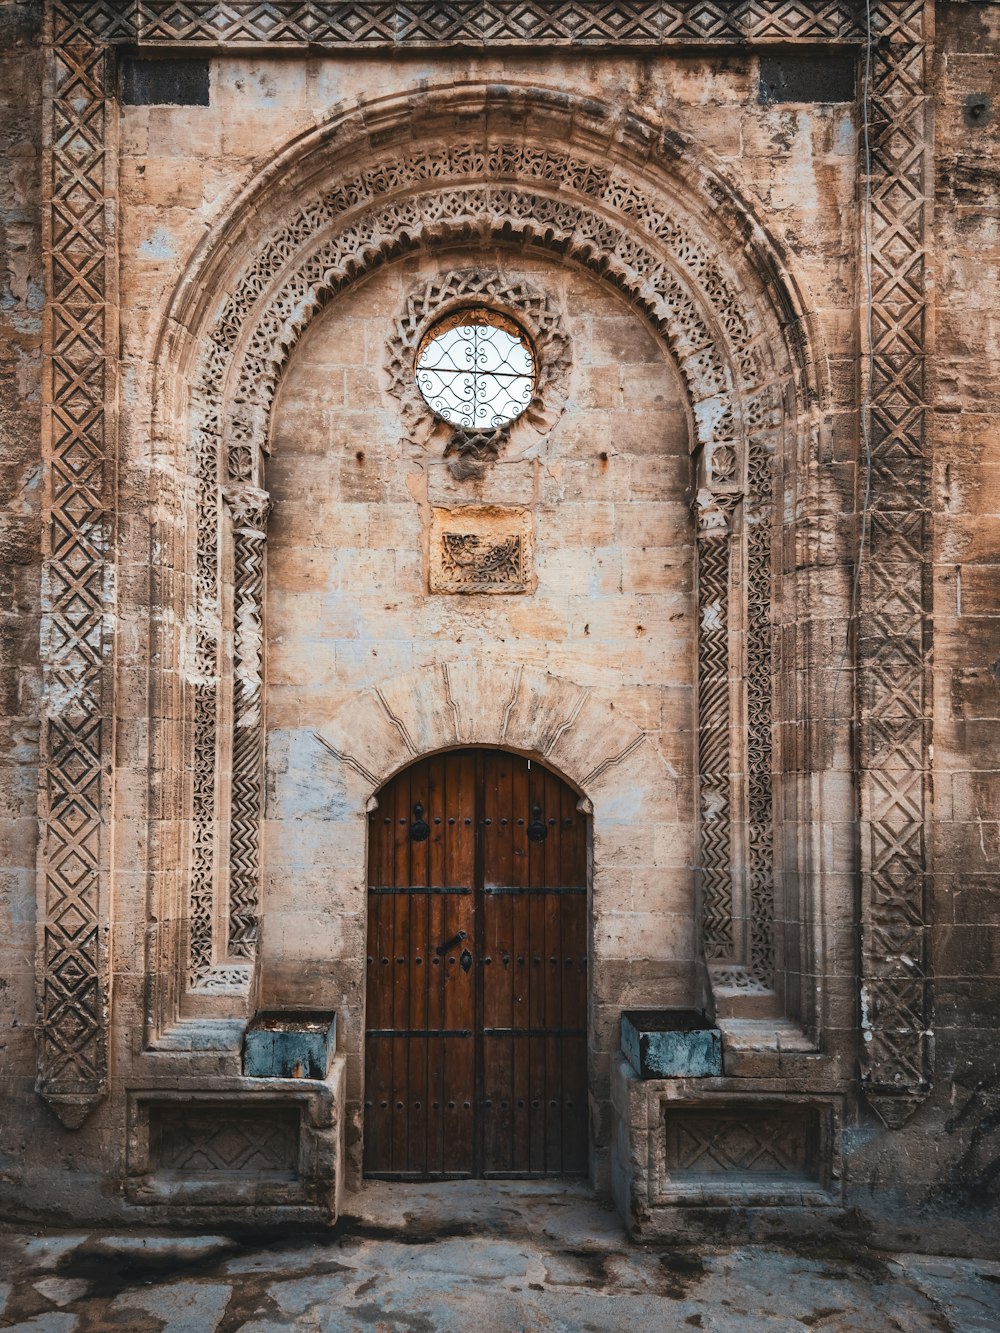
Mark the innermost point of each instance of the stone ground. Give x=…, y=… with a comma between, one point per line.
x=473, y=1256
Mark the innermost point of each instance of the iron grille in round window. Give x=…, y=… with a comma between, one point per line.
x=476, y=369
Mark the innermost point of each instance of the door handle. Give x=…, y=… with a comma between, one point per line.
x=455, y=939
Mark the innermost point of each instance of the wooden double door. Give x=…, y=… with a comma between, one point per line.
x=475, y=1043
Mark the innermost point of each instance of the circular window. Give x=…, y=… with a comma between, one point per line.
x=476, y=369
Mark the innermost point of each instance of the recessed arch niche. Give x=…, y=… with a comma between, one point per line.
x=354, y=495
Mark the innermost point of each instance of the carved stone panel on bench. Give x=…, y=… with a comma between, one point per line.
x=217, y=1139
x=745, y=1148
x=275, y=1145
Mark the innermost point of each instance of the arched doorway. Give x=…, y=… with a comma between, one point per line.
x=475, y=1043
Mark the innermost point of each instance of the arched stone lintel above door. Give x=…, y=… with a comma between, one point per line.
x=503, y=705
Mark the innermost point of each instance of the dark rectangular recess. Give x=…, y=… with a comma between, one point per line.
x=175, y=82
x=748, y=1142
x=668, y=1020
x=291, y=1020
x=811, y=74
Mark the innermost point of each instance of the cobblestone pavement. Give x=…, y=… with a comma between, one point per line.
x=473, y=1256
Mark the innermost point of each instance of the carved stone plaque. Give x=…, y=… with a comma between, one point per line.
x=481, y=548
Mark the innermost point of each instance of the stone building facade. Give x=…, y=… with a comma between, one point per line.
x=727, y=581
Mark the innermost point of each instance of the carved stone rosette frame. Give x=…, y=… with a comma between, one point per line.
x=736, y=463
x=544, y=326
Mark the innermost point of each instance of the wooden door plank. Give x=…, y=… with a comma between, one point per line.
x=553, y=995
x=437, y=820
x=537, y=976
x=379, y=999
x=377, y=1074
x=400, y=973
x=460, y=859
x=573, y=910
x=460, y=980
x=576, y=1117
x=458, y=1060
x=487, y=1090
x=376, y=1079
x=520, y=972
x=384, y=1019
x=426, y=1094
x=497, y=908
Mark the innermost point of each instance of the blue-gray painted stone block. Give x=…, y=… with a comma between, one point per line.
x=671, y=1043
x=290, y=1046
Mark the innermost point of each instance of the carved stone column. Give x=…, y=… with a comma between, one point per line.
x=758, y=517
x=714, y=684
x=250, y=507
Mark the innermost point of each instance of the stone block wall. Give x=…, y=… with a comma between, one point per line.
x=947, y=1155
x=349, y=545
x=22, y=285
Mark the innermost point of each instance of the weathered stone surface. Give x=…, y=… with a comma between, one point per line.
x=785, y=731
x=526, y=1255
x=289, y=1046
x=660, y=1043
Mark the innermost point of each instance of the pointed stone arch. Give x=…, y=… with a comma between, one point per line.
x=536, y=169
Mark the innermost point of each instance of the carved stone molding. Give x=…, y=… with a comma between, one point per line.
x=894, y=624
x=715, y=517
x=249, y=507
x=76, y=740
x=475, y=22
x=714, y=510
x=594, y=213
x=576, y=730
x=552, y=198
x=758, y=518
x=471, y=451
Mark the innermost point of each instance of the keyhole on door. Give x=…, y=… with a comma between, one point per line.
x=465, y=960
